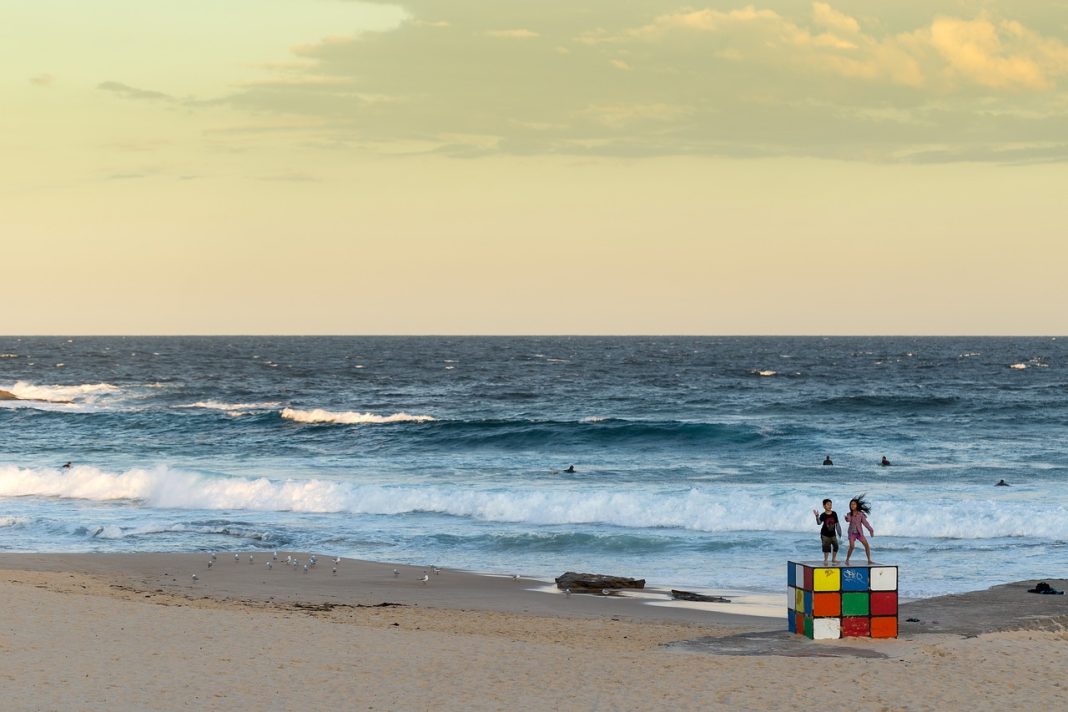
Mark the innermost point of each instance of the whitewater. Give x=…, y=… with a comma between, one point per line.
x=697, y=460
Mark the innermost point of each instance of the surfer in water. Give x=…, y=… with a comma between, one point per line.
x=570, y=469
x=827, y=460
x=885, y=462
x=66, y=466
x=1002, y=483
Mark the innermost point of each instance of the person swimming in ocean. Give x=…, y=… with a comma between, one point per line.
x=66, y=466
x=885, y=462
x=570, y=469
x=1002, y=483
x=827, y=460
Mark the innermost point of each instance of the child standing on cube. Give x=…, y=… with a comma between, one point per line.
x=830, y=530
x=858, y=519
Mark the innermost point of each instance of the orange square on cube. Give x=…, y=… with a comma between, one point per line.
x=826, y=604
x=884, y=627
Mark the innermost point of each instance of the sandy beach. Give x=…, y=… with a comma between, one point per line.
x=136, y=631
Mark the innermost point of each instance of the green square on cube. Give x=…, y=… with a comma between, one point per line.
x=855, y=603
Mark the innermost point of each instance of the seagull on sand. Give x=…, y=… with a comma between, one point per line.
x=213, y=556
x=567, y=592
x=250, y=558
x=424, y=578
x=268, y=565
x=396, y=573
x=515, y=577
x=337, y=559
x=437, y=571
x=305, y=568
x=210, y=562
x=237, y=557
x=274, y=555
x=334, y=571
x=194, y=578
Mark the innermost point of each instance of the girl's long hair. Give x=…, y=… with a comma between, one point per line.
x=862, y=504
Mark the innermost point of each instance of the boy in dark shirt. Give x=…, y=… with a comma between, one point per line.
x=830, y=530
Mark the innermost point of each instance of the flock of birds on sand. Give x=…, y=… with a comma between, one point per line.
x=310, y=563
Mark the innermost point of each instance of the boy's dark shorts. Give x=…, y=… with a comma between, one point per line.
x=830, y=543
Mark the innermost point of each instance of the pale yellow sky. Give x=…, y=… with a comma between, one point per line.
x=326, y=166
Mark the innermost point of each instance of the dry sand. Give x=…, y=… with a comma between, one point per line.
x=135, y=632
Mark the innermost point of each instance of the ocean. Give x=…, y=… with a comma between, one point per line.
x=697, y=459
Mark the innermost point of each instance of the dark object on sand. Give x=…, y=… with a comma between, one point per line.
x=595, y=583
x=1043, y=587
x=912, y=620
x=688, y=596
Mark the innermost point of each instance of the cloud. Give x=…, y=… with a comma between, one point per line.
x=774, y=78
x=513, y=34
x=128, y=92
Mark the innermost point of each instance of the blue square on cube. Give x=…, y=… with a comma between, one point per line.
x=791, y=622
x=791, y=578
x=808, y=603
x=854, y=579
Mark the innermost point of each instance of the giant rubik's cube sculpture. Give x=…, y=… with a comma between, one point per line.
x=841, y=601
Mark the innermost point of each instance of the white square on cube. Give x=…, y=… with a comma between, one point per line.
x=883, y=578
x=799, y=575
x=791, y=598
x=826, y=628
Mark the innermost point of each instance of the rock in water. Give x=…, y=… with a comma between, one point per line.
x=689, y=596
x=585, y=583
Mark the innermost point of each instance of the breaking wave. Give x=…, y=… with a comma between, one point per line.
x=350, y=417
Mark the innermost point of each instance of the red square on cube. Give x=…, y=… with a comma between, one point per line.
x=855, y=627
x=808, y=578
x=799, y=623
x=826, y=604
x=884, y=627
x=884, y=603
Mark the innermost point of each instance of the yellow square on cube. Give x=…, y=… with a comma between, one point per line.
x=826, y=579
x=799, y=600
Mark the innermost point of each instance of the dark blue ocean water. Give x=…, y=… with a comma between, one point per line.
x=698, y=459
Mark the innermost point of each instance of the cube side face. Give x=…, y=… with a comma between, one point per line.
x=856, y=627
x=826, y=579
x=827, y=604
x=884, y=603
x=884, y=578
x=855, y=604
x=855, y=579
x=884, y=627
x=807, y=585
x=826, y=629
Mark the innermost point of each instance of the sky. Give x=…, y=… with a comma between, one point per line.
x=551, y=167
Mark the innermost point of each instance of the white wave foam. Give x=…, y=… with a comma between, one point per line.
x=1018, y=366
x=699, y=509
x=60, y=394
x=229, y=407
x=350, y=417
x=13, y=522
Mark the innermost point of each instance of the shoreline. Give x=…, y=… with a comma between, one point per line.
x=134, y=631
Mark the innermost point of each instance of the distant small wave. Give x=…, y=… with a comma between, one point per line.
x=350, y=417
x=6, y=522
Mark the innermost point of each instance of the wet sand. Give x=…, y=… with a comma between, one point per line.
x=135, y=631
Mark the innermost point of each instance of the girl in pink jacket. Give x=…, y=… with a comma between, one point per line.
x=858, y=520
